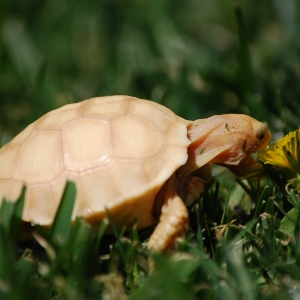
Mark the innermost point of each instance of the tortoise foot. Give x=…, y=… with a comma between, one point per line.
x=173, y=223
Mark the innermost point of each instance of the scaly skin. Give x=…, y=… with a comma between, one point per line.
x=173, y=223
x=227, y=140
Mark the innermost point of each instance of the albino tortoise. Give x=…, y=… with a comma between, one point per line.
x=134, y=157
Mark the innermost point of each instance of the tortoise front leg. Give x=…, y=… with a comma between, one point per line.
x=173, y=223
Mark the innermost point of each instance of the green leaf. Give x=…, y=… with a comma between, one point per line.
x=288, y=223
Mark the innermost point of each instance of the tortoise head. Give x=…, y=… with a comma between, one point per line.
x=227, y=140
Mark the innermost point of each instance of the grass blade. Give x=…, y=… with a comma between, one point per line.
x=62, y=223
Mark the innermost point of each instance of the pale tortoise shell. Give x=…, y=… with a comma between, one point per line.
x=119, y=150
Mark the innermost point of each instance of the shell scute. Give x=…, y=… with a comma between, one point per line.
x=107, y=110
x=135, y=139
x=155, y=114
x=108, y=99
x=157, y=170
x=59, y=119
x=8, y=161
x=40, y=158
x=99, y=190
x=129, y=178
x=40, y=211
x=20, y=139
x=175, y=134
x=173, y=156
x=87, y=144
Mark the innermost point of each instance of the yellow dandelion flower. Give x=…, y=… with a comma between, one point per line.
x=284, y=155
x=280, y=161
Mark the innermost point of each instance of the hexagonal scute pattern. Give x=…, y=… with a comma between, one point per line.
x=87, y=144
x=40, y=157
x=118, y=150
x=135, y=139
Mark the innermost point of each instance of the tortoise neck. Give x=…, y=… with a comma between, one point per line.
x=192, y=165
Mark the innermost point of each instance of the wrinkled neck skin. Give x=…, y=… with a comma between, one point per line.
x=205, y=146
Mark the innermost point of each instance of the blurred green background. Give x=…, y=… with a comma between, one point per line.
x=199, y=58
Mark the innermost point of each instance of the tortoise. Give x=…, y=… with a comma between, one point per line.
x=134, y=157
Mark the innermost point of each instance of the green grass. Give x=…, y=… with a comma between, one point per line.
x=199, y=58
x=256, y=256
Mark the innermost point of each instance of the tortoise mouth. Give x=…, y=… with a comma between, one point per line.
x=244, y=166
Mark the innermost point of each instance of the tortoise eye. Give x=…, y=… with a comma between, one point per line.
x=261, y=136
